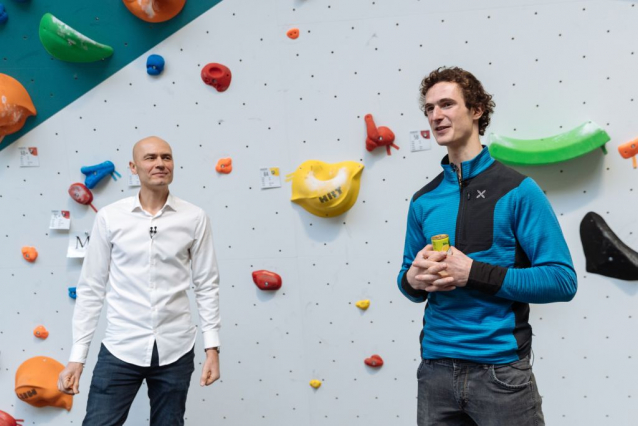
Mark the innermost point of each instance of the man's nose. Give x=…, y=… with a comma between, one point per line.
x=436, y=113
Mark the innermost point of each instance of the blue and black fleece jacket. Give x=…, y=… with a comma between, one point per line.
x=503, y=221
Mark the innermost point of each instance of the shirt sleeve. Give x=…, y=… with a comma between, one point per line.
x=91, y=289
x=206, y=282
x=414, y=242
x=550, y=276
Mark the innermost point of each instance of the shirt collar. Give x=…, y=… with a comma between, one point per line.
x=469, y=168
x=170, y=203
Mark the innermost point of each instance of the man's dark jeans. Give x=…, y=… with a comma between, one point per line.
x=463, y=393
x=115, y=384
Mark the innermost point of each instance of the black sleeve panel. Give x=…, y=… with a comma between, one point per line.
x=485, y=277
x=411, y=290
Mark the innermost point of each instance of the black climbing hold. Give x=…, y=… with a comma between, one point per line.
x=605, y=253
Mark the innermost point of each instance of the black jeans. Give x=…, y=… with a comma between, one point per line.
x=115, y=384
x=462, y=393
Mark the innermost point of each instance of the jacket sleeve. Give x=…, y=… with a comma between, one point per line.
x=414, y=242
x=550, y=276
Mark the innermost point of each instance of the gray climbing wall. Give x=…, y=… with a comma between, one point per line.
x=550, y=65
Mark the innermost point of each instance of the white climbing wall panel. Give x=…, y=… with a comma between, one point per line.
x=550, y=65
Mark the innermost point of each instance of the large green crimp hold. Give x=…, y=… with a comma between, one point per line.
x=574, y=143
x=66, y=44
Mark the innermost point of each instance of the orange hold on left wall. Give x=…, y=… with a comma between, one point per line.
x=30, y=254
x=15, y=106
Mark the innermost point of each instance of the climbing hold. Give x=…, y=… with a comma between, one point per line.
x=40, y=332
x=37, y=383
x=363, y=304
x=96, y=173
x=154, y=65
x=377, y=137
x=267, y=280
x=4, y=16
x=217, y=75
x=7, y=420
x=15, y=105
x=73, y=292
x=605, y=253
x=66, y=44
x=326, y=190
x=293, y=33
x=82, y=194
x=574, y=143
x=315, y=383
x=224, y=165
x=629, y=149
x=155, y=10
x=374, y=361
x=30, y=254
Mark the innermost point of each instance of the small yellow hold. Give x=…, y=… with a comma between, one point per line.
x=315, y=383
x=363, y=304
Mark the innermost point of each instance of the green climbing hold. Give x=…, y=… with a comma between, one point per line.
x=66, y=44
x=574, y=143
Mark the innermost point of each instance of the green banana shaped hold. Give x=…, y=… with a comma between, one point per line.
x=66, y=44
x=571, y=144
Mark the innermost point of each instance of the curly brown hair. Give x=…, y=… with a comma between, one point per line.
x=473, y=93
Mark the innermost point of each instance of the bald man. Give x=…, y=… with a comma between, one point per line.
x=150, y=249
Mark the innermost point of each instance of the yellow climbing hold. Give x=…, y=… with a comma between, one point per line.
x=326, y=190
x=315, y=383
x=363, y=304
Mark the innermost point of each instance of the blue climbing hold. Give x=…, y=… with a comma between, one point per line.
x=154, y=65
x=96, y=173
x=3, y=14
x=73, y=292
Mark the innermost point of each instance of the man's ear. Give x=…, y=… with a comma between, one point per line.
x=131, y=165
x=477, y=113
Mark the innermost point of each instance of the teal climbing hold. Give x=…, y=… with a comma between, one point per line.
x=66, y=44
x=565, y=146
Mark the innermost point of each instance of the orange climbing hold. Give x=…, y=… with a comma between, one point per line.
x=155, y=10
x=30, y=254
x=15, y=105
x=629, y=149
x=375, y=361
x=293, y=33
x=40, y=332
x=224, y=165
x=377, y=137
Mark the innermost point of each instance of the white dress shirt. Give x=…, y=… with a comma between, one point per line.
x=148, y=277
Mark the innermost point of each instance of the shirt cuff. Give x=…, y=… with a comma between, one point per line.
x=485, y=277
x=79, y=353
x=211, y=339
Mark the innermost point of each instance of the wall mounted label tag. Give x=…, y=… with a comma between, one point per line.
x=78, y=242
x=29, y=157
x=133, y=180
x=270, y=178
x=420, y=140
x=60, y=219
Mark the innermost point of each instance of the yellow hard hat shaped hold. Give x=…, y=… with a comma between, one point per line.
x=326, y=190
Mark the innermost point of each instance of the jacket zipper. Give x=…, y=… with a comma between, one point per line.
x=460, y=221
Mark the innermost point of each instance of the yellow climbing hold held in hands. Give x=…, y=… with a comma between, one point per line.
x=363, y=304
x=315, y=383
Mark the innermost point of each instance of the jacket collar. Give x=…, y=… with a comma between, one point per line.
x=469, y=168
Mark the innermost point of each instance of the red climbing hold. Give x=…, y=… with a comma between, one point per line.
x=374, y=361
x=83, y=195
x=217, y=75
x=267, y=280
x=7, y=419
x=381, y=136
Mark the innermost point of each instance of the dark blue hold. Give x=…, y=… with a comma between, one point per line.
x=154, y=65
x=72, y=292
x=4, y=16
x=96, y=173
